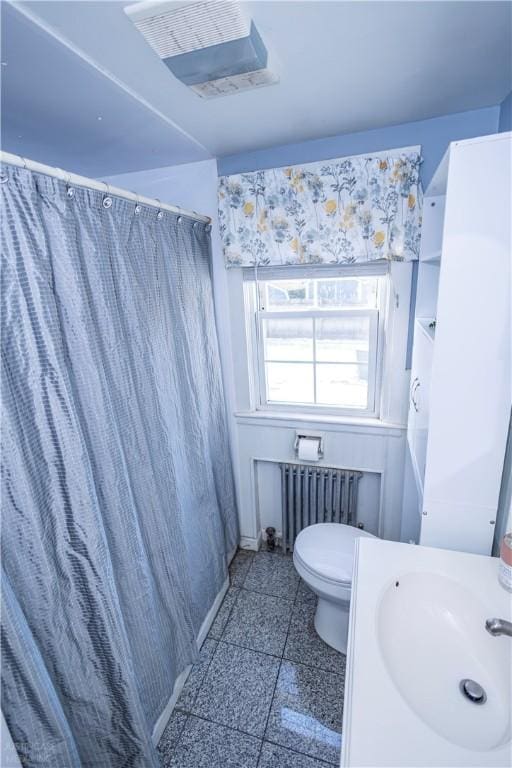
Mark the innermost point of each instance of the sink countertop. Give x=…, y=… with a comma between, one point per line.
x=380, y=727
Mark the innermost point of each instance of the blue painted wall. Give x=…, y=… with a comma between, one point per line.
x=505, y=121
x=434, y=135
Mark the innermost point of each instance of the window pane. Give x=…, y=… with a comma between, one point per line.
x=288, y=339
x=342, y=385
x=289, y=294
x=290, y=382
x=336, y=293
x=343, y=339
x=319, y=293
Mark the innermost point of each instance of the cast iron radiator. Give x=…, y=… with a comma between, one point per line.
x=311, y=494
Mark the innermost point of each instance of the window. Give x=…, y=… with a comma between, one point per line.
x=317, y=342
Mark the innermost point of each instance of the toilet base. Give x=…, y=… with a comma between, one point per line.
x=331, y=623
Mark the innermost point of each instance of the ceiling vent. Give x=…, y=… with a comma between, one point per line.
x=211, y=47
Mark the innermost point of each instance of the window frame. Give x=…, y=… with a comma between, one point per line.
x=256, y=316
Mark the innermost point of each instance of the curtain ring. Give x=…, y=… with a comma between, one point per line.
x=179, y=219
x=24, y=163
x=69, y=189
x=138, y=207
x=208, y=228
x=160, y=213
x=107, y=200
x=3, y=177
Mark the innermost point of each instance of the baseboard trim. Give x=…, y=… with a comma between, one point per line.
x=210, y=616
x=166, y=714
x=246, y=542
x=182, y=679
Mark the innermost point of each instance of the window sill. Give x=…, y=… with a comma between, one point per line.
x=264, y=417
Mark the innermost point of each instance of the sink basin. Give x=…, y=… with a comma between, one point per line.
x=431, y=635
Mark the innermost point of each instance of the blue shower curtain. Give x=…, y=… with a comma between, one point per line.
x=118, y=510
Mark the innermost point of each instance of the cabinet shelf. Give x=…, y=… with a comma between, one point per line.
x=432, y=257
x=424, y=324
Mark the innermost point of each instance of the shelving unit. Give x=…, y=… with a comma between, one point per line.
x=460, y=393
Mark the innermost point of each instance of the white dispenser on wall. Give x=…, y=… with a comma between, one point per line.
x=309, y=446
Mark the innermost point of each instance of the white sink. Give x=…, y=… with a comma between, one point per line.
x=431, y=632
x=417, y=629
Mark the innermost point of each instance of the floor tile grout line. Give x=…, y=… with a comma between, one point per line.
x=188, y=711
x=230, y=612
x=182, y=730
x=223, y=725
x=263, y=739
x=258, y=591
x=297, y=752
x=314, y=666
x=231, y=582
x=269, y=710
x=250, y=565
x=294, y=604
x=267, y=594
x=248, y=570
x=248, y=648
x=205, y=672
x=309, y=665
x=290, y=621
x=214, y=722
x=235, y=644
x=188, y=714
x=298, y=604
x=213, y=654
x=281, y=656
x=277, y=677
x=290, y=601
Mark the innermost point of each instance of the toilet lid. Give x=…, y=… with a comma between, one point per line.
x=328, y=549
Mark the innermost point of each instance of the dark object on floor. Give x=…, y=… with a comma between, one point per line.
x=271, y=538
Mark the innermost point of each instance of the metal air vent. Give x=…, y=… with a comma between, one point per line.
x=210, y=46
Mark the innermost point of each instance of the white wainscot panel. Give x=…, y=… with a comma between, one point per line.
x=377, y=451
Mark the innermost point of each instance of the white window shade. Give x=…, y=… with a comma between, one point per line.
x=315, y=271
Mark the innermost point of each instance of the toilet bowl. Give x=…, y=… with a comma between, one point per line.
x=323, y=556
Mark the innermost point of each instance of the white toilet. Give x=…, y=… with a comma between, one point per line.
x=323, y=556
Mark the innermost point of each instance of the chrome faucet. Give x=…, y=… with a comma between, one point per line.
x=499, y=627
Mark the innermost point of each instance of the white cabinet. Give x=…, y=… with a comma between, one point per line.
x=419, y=395
x=423, y=348
x=460, y=407
x=432, y=227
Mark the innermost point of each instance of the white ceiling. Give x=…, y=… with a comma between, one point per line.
x=343, y=67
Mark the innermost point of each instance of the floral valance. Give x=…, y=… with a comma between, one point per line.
x=353, y=209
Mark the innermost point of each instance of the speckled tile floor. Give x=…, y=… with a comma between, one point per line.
x=267, y=692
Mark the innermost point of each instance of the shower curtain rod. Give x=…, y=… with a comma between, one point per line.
x=101, y=186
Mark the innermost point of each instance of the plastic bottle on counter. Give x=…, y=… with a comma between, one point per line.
x=505, y=567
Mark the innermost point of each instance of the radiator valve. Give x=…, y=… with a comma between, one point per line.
x=271, y=538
